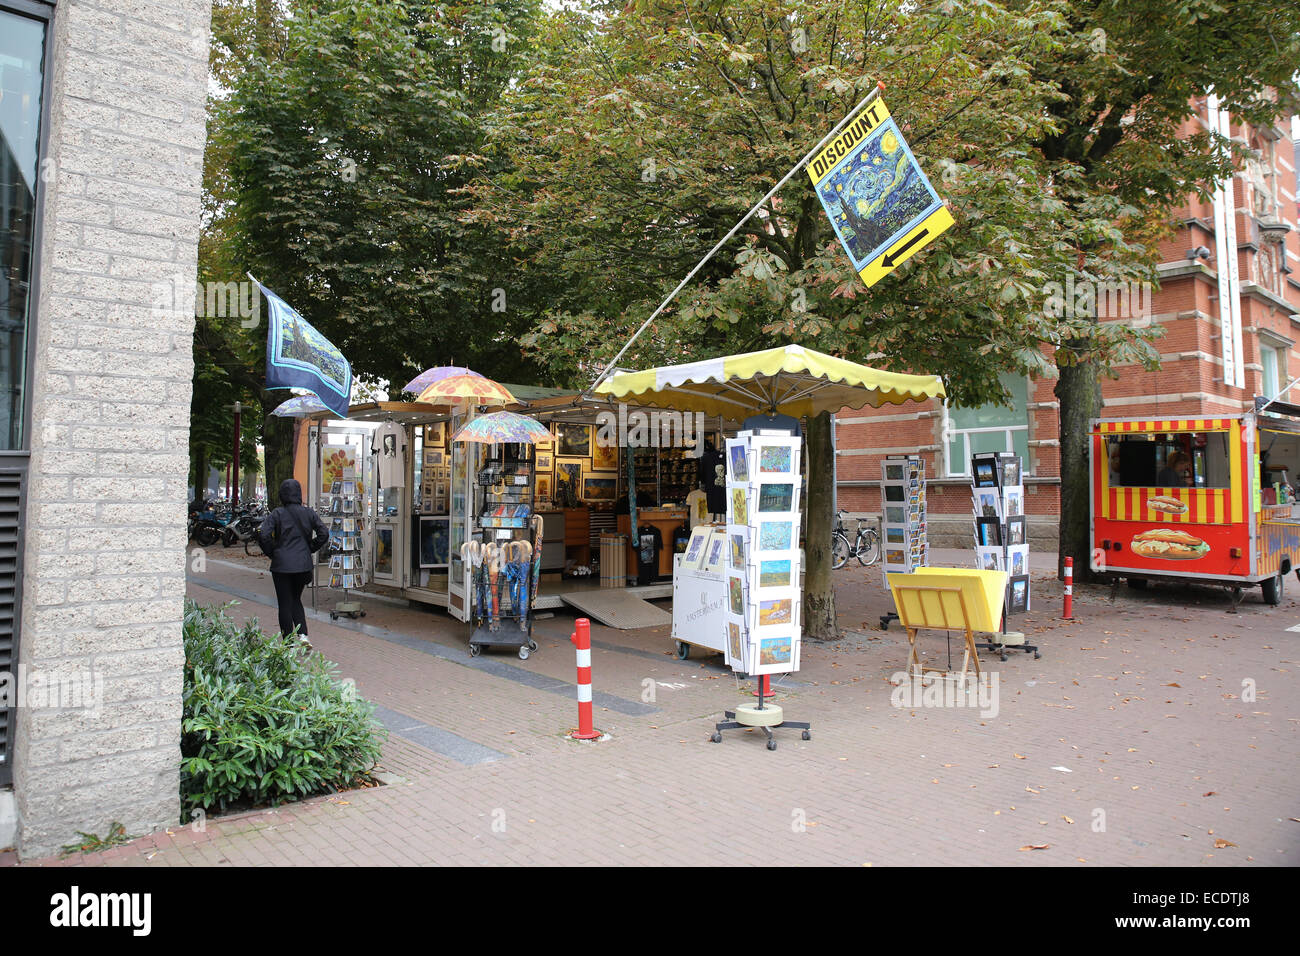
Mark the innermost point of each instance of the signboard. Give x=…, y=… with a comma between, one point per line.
x=881, y=204
x=298, y=356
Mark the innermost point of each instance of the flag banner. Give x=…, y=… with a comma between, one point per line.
x=881, y=204
x=297, y=356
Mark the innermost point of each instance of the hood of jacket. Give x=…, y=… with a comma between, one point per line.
x=290, y=492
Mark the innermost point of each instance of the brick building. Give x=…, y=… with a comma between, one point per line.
x=102, y=128
x=1242, y=248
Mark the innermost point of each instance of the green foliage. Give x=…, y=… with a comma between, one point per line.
x=347, y=152
x=263, y=723
x=91, y=843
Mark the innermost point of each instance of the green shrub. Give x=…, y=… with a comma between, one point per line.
x=264, y=722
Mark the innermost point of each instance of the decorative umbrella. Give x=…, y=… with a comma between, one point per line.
x=437, y=374
x=472, y=389
x=301, y=406
x=790, y=380
x=500, y=427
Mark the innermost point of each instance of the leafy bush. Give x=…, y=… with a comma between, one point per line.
x=264, y=722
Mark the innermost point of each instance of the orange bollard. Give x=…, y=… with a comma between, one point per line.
x=581, y=639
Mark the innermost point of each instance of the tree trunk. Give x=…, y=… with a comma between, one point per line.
x=1079, y=391
x=819, y=591
x=277, y=440
x=199, y=463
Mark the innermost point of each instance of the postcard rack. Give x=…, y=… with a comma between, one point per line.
x=764, y=601
x=1001, y=532
x=346, y=521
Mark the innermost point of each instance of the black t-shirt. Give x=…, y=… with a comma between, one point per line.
x=713, y=476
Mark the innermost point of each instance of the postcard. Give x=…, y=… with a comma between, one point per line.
x=776, y=574
x=739, y=506
x=738, y=551
x=775, y=497
x=739, y=463
x=1016, y=530
x=776, y=536
x=737, y=595
x=777, y=611
x=774, y=651
x=988, y=532
x=776, y=459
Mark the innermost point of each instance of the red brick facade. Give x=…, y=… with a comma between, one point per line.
x=1191, y=377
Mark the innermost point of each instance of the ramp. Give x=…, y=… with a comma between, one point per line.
x=618, y=608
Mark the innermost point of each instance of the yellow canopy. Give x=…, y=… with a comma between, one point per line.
x=792, y=380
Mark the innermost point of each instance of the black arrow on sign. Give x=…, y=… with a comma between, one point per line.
x=893, y=255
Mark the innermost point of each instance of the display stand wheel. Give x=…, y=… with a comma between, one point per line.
x=683, y=650
x=532, y=645
x=475, y=650
x=770, y=715
x=524, y=653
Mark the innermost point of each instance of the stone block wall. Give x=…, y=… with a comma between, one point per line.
x=104, y=568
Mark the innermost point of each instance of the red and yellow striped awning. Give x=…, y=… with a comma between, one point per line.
x=1168, y=425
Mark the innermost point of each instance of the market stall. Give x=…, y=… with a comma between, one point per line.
x=764, y=391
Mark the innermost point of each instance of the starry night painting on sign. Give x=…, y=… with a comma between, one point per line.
x=875, y=192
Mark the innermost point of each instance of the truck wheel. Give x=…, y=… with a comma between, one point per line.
x=1137, y=584
x=1272, y=589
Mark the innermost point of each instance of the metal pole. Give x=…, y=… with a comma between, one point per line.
x=734, y=229
x=235, y=487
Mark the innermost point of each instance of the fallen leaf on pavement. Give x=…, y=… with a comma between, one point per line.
x=1036, y=846
x=1220, y=843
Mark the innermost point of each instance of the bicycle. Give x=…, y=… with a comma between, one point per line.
x=865, y=546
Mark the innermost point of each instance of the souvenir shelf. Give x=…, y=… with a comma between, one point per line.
x=506, y=558
x=346, y=522
x=902, y=527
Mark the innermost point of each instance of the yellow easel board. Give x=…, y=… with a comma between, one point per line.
x=983, y=592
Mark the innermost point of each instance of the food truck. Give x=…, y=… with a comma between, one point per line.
x=1198, y=499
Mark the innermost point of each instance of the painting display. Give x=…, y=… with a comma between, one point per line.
x=604, y=457
x=596, y=488
x=573, y=440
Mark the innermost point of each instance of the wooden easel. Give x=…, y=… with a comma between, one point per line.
x=918, y=614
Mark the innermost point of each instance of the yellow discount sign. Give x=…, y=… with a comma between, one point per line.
x=881, y=204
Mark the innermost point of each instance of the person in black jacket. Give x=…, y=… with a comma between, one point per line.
x=291, y=534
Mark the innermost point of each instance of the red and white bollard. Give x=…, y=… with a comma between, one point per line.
x=1069, y=590
x=586, y=720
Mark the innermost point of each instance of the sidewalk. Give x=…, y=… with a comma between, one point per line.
x=1127, y=743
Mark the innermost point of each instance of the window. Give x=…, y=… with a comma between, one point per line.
x=988, y=428
x=1169, y=460
x=22, y=55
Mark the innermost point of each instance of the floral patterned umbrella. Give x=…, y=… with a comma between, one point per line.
x=437, y=374
x=301, y=406
x=472, y=389
x=500, y=427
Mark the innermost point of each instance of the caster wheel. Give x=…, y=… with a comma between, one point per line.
x=716, y=738
x=524, y=653
x=475, y=650
x=807, y=736
x=333, y=616
x=1037, y=655
x=771, y=745
x=532, y=645
x=1004, y=658
x=683, y=651
x=363, y=614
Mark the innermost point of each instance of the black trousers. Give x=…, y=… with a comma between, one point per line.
x=288, y=594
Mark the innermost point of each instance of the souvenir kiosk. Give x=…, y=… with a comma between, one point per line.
x=764, y=594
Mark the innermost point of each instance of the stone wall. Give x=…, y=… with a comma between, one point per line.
x=110, y=388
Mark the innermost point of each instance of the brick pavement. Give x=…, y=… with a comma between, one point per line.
x=1140, y=701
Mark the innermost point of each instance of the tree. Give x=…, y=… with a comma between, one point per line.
x=1131, y=75
x=346, y=153
x=643, y=135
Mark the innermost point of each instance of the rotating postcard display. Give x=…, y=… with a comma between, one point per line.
x=764, y=602
x=903, y=545
x=345, y=523
x=1001, y=536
